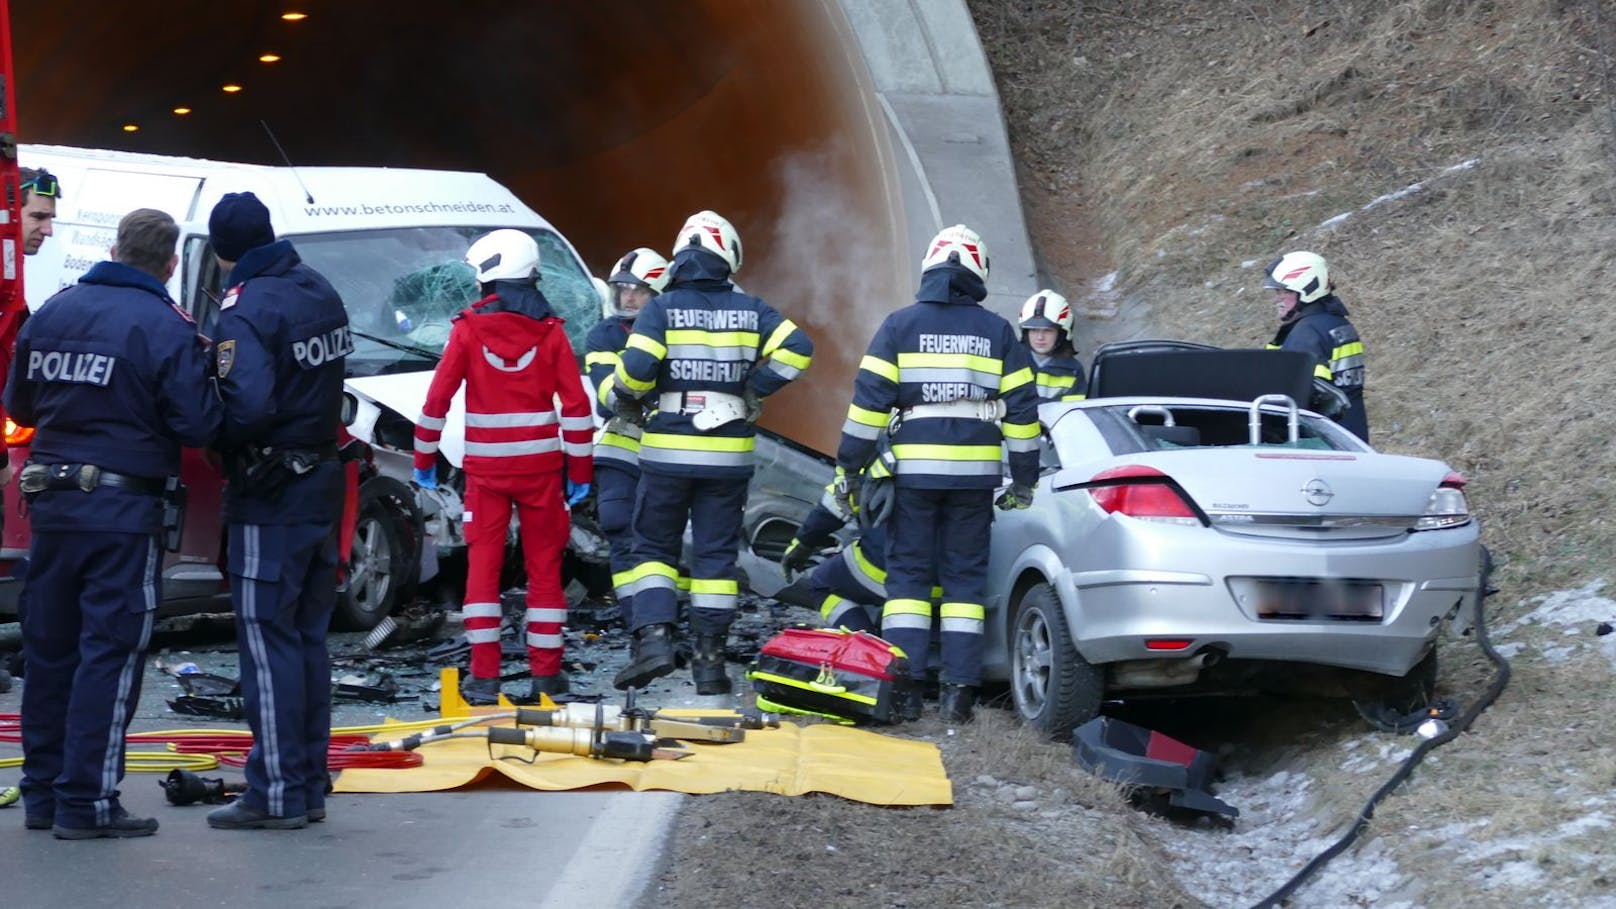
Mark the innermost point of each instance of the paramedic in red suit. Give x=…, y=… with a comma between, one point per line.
x=512, y=353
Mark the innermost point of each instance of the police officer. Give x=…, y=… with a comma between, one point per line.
x=1046, y=328
x=113, y=377
x=511, y=353
x=961, y=385
x=637, y=277
x=282, y=344
x=1313, y=319
x=704, y=355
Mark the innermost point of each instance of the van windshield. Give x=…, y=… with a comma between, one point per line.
x=403, y=287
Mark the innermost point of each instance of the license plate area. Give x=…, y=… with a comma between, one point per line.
x=1315, y=600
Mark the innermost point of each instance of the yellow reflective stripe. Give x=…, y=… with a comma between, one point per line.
x=632, y=383
x=948, y=452
x=779, y=337
x=1353, y=348
x=710, y=338
x=1052, y=380
x=1076, y=397
x=1323, y=372
x=603, y=393
x=642, y=571
x=880, y=367
x=907, y=607
x=791, y=358
x=601, y=358
x=613, y=440
x=972, y=362
x=868, y=417
x=1015, y=380
x=697, y=443
x=937, y=593
x=713, y=585
x=1019, y=430
x=963, y=611
x=789, y=682
x=878, y=575
x=832, y=605
x=1272, y=346
x=650, y=345
x=683, y=582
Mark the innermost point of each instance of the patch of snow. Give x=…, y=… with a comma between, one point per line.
x=1575, y=614
x=1331, y=222
x=1403, y=193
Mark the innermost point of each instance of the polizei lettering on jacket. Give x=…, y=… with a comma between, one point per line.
x=975, y=345
x=322, y=348
x=714, y=319
x=67, y=366
x=707, y=370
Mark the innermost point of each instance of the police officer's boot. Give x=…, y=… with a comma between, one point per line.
x=650, y=657
x=551, y=685
x=480, y=692
x=707, y=667
x=908, y=701
x=957, y=703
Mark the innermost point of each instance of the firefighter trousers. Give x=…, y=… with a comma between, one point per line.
x=938, y=536
x=544, y=523
x=614, y=506
x=712, y=506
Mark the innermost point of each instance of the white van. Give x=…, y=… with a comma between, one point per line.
x=391, y=241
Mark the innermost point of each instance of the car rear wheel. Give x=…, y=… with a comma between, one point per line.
x=1054, y=688
x=382, y=567
x=1398, y=705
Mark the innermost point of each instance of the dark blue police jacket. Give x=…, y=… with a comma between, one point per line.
x=110, y=372
x=281, y=351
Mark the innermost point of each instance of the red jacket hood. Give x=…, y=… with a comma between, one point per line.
x=509, y=335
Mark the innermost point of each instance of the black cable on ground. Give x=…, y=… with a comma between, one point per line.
x=1278, y=897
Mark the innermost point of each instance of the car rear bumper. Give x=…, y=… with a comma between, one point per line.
x=1190, y=584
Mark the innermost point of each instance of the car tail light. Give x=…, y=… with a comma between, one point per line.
x=1168, y=643
x=1447, y=507
x=1141, y=492
x=18, y=435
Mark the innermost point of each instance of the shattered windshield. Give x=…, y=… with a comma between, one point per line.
x=403, y=287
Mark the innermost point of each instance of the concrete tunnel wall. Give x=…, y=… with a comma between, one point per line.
x=837, y=136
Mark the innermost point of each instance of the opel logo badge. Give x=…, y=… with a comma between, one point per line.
x=1317, y=492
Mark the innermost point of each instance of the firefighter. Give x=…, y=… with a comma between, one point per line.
x=703, y=356
x=1046, y=329
x=511, y=352
x=961, y=385
x=112, y=375
x=280, y=353
x=636, y=278
x=849, y=587
x=1313, y=319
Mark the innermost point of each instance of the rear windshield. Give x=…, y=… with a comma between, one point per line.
x=403, y=287
x=1166, y=427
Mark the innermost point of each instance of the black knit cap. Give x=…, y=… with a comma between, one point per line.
x=238, y=223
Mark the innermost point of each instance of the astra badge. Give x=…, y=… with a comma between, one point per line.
x=1317, y=492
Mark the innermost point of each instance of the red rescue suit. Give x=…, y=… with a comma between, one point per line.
x=514, y=358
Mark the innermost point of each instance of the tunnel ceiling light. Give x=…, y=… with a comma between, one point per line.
x=231, y=88
x=131, y=127
x=181, y=111
x=269, y=58
x=294, y=16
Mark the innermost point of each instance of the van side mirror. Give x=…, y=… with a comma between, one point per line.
x=350, y=409
x=605, y=294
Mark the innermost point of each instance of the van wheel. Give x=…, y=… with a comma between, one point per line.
x=1053, y=687
x=384, y=566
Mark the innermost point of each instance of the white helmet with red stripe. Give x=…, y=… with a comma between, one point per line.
x=1047, y=309
x=958, y=245
x=1302, y=272
x=644, y=268
x=506, y=254
x=712, y=232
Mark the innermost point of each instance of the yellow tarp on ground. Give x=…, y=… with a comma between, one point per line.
x=791, y=760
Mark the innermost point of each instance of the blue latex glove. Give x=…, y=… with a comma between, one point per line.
x=576, y=492
x=425, y=478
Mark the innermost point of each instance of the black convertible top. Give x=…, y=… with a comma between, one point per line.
x=1185, y=369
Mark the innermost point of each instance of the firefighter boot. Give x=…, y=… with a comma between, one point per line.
x=650, y=657
x=551, y=685
x=957, y=703
x=907, y=703
x=707, y=664
x=480, y=692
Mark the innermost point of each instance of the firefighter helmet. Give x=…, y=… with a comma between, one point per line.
x=1302, y=272
x=638, y=268
x=711, y=231
x=504, y=255
x=958, y=245
x=1047, y=309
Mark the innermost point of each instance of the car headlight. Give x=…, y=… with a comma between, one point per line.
x=1447, y=507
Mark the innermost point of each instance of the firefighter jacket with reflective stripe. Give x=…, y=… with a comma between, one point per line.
x=109, y=372
x=281, y=350
x=1059, y=377
x=703, y=335
x=603, y=350
x=945, y=347
x=1321, y=329
x=513, y=355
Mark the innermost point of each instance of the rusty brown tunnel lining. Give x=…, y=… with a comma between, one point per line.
x=614, y=121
